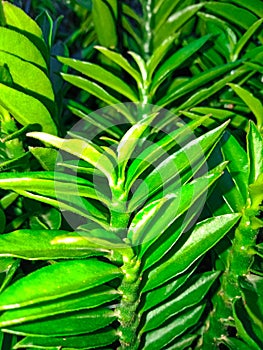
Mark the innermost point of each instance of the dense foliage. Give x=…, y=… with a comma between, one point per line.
x=131, y=178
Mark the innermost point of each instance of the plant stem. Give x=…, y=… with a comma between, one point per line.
x=147, y=34
x=126, y=311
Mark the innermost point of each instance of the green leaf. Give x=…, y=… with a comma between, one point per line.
x=29, y=77
x=245, y=327
x=196, y=82
x=49, y=244
x=252, y=102
x=89, y=341
x=8, y=266
x=74, y=323
x=81, y=301
x=19, y=45
x=255, y=153
x=102, y=75
x=158, y=54
x=120, y=61
x=187, y=298
x=25, y=108
x=234, y=343
x=47, y=157
x=237, y=166
x=173, y=166
x=160, y=148
x=244, y=39
x=252, y=293
x=176, y=60
x=150, y=223
x=164, y=335
x=202, y=238
x=106, y=12
x=82, y=149
x=232, y=13
x=174, y=23
x=183, y=342
x=16, y=17
x=57, y=280
x=160, y=294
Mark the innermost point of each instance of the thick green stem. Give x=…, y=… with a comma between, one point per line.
x=126, y=311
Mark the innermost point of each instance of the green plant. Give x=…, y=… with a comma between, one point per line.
x=166, y=251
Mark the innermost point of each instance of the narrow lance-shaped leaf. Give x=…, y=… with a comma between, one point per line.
x=175, y=61
x=121, y=61
x=57, y=280
x=175, y=164
x=82, y=149
x=49, y=244
x=164, y=335
x=80, y=301
x=80, y=322
x=255, y=153
x=252, y=102
x=187, y=298
x=93, y=340
x=102, y=75
x=203, y=237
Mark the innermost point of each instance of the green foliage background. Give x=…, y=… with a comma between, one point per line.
x=177, y=265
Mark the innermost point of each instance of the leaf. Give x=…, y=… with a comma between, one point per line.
x=245, y=327
x=160, y=294
x=182, y=343
x=237, y=166
x=175, y=22
x=74, y=323
x=150, y=223
x=160, y=148
x=234, y=343
x=19, y=45
x=49, y=244
x=47, y=157
x=232, y=13
x=102, y=75
x=202, y=238
x=176, y=60
x=57, y=280
x=81, y=149
x=106, y=12
x=164, y=335
x=187, y=298
x=174, y=165
x=159, y=53
x=196, y=82
x=29, y=77
x=8, y=266
x=89, y=341
x=252, y=102
x=16, y=17
x=244, y=39
x=81, y=301
x=255, y=153
x=120, y=61
x=252, y=293
x=25, y=108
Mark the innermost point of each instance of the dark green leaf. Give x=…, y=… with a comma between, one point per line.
x=57, y=280
x=49, y=244
x=203, y=237
x=80, y=322
x=187, y=298
x=89, y=341
x=163, y=336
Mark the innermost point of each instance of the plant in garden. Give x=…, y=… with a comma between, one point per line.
x=159, y=244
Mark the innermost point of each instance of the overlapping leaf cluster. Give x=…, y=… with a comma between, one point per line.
x=166, y=252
